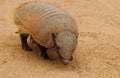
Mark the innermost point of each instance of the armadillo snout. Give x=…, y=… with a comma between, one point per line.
x=66, y=61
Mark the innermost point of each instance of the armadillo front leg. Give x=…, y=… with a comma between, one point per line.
x=43, y=52
x=24, y=43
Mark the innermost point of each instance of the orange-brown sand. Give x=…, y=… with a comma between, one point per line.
x=97, y=54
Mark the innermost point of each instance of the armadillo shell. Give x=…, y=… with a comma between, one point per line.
x=41, y=19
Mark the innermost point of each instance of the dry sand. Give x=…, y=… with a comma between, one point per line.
x=97, y=54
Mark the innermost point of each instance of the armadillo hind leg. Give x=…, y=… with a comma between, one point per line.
x=24, y=43
x=43, y=52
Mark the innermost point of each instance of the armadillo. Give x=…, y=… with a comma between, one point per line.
x=49, y=26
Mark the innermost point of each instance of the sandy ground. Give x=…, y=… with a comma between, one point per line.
x=97, y=54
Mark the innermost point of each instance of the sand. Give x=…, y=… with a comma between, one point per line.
x=97, y=54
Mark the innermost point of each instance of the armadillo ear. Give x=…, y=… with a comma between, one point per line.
x=53, y=35
x=53, y=39
x=54, y=45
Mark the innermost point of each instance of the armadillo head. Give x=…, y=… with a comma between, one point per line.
x=65, y=44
